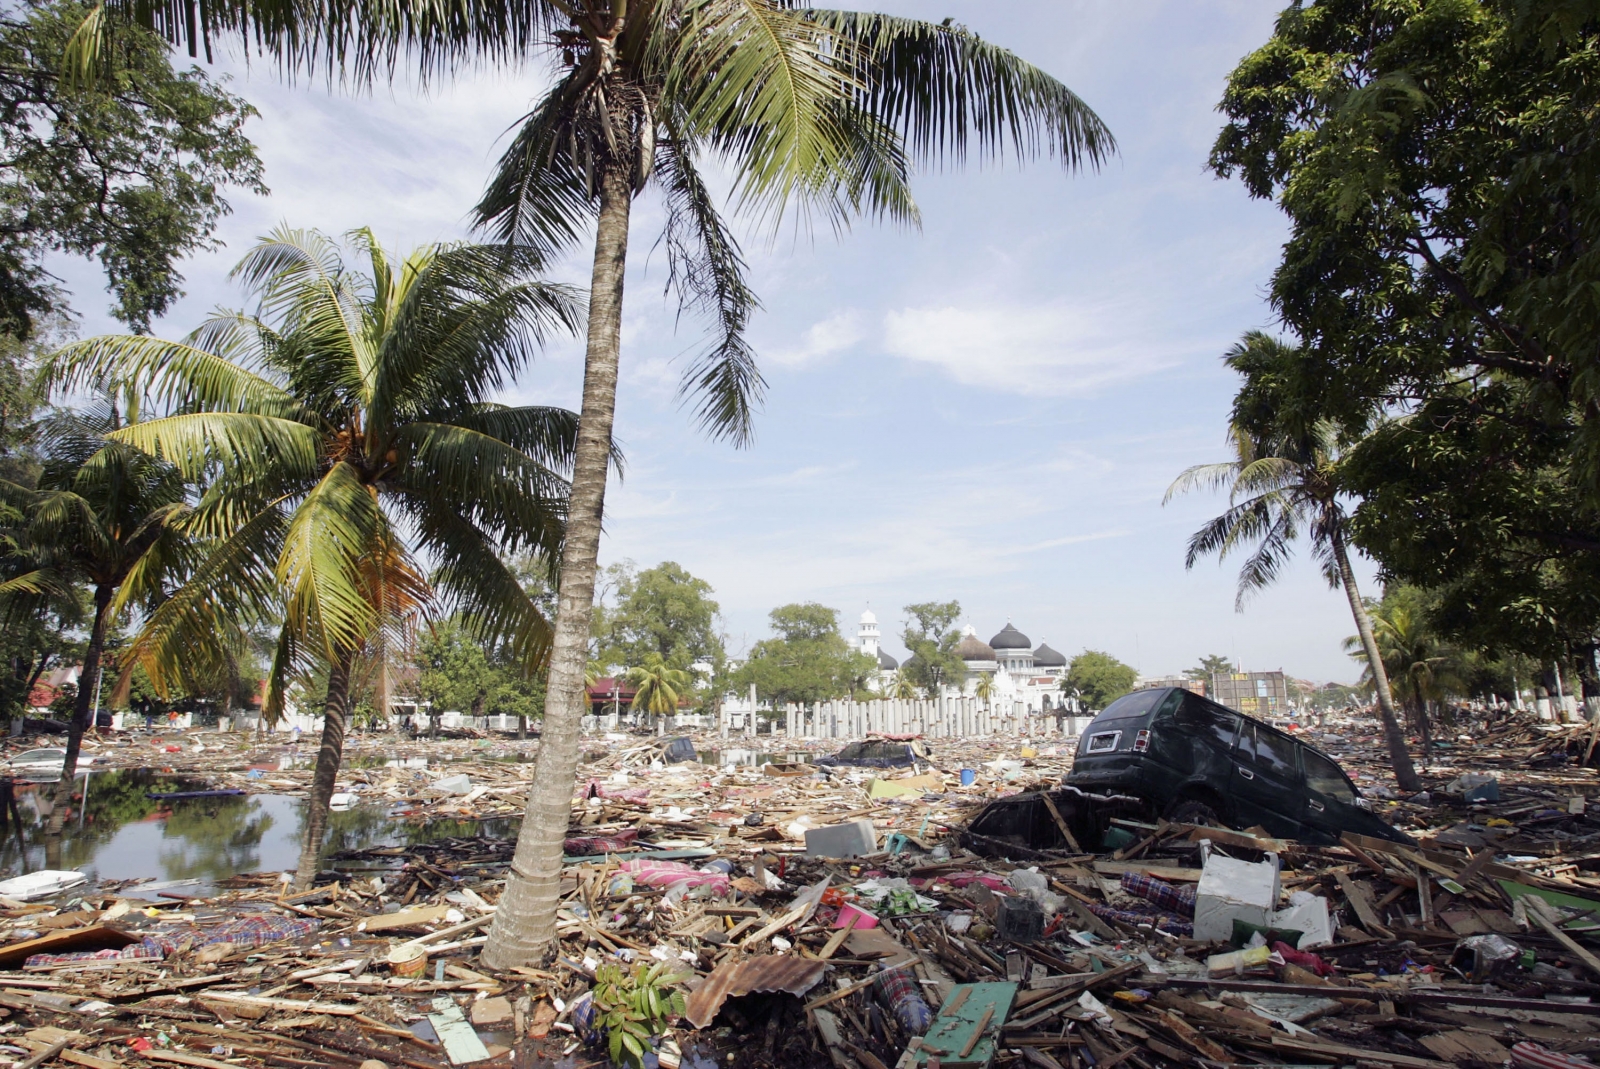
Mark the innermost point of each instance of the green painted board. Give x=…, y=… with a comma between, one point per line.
x=460, y=1039
x=1556, y=898
x=949, y=1033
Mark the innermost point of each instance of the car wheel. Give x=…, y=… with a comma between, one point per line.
x=1195, y=811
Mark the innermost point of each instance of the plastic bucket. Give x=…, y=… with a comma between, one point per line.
x=968, y=777
x=408, y=959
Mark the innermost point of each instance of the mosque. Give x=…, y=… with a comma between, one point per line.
x=1018, y=671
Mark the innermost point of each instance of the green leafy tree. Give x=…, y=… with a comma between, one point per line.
x=1437, y=165
x=807, y=661
x=931, y=636
x=455, y=673
x=1283, y=481
x=662, y=610
x=127, y=167
x=345, y=424
x=1098, y=679
x=1209, y=666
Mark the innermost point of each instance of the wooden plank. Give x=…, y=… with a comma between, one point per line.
x=1362, y=905
x=1344, y=1054
x=178, y=1057
x=1544, y=915
x=89, y=1061
x=94, y=937
x=293, y=1005
x=963, y=1036
x=1055, y=815
x=460, y=1039
x=1464, y=1046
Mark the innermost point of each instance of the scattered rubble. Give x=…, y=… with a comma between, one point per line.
x=1011, y=921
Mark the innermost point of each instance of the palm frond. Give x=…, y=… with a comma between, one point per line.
x=539, y=199
x=241, y=443
x=336, y=525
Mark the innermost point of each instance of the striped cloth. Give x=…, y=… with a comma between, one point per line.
x=898, y=989
x=1179, y=900
x=1166, y=922
x=145, y=950
x=261, y=929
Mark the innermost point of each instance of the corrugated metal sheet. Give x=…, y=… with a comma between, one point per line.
x=774, y=972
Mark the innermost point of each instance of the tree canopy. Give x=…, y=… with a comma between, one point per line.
x=662, y=610
x=931, y=636
x=807, y=661
x=1098, y=678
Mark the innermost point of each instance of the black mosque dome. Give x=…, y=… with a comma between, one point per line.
x=1045, y=657
x=1011, y=639
x=886, y=663
x=971, y=648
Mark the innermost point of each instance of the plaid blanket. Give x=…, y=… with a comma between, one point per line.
x=898, y=989
x=261, y=929
x=666, y=873
x=145, y=950
x=1174, y=899
x=1166, y=922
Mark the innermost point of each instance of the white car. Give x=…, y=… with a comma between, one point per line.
x=32, y=764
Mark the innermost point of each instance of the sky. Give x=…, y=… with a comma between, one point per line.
x=988, y=408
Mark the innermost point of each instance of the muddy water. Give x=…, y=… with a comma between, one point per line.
x=119, y=833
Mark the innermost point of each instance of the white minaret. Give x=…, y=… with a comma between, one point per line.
x=867, y=635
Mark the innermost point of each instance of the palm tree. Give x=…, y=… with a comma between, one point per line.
x=1284, y=480
x=659, y=685
x=985, y=688
x=904, y=689
x=1423, y=668
x=103, y=515
x=341, y=428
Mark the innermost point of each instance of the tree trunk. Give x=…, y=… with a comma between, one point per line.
x=329, y=756
x=84, y=707
x=524, y=923
x=1405, y=774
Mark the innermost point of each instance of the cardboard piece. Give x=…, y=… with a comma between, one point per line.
x=901, y=788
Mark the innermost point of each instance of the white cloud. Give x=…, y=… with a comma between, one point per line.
x=1052, y=350
x=822, y=340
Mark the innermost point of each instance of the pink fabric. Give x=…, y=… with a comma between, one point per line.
x=636, y=795
x=666, y=873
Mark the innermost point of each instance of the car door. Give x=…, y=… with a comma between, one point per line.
x=1267, y=782
x=1331, y=806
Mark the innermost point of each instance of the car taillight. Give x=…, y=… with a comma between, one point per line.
x=1141, y=741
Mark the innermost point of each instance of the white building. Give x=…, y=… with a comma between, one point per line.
x=867, y=642
x=1018, y=672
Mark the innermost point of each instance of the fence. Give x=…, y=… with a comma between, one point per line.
x=952, y=718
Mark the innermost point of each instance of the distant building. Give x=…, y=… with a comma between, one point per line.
x=1263, y=695
x=867, y=641
x=1019, y=672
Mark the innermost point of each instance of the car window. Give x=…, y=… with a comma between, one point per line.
x=1274, y=753
x=852, y=752
x=1324, y=777
x=1203, y=718
x=1138, y=703
x=1167, y=709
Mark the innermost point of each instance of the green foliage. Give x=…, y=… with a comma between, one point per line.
x=1438, y=166
x=931, y=636
x=127, y=167
x=1098, y=678
x=808, y=661
x=659, y=684
x=662, y=610
x=633, y=1008
x=1422, y=664
x=1209, y=666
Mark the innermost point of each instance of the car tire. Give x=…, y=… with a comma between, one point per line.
x=1195, y=811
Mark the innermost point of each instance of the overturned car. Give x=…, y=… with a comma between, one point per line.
x=1194, y=761
x=1039, y=822
x=881, y=753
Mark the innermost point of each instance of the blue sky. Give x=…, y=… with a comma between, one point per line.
x=988, y=409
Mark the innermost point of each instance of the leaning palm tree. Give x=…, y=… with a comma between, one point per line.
x=105, y=515
x=1282, y=481
x=659, y=685
x=344, y=430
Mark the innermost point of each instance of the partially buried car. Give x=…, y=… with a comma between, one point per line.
x=1194, y=761
x=881, y=753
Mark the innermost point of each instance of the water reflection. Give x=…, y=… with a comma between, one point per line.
x=117, y=832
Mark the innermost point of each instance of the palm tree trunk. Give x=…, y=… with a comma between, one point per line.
x=1405, y=774
x=329, y=756
x=524, y=922
x=83, y=709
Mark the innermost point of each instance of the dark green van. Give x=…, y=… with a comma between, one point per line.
x=1197, y=762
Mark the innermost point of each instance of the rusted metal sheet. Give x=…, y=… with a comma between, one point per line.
x=774, y=972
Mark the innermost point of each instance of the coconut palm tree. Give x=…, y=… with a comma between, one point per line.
x=903, y=689
x=103, y=515
x=985, y=688
x=659, y=684
x=1282, y=482
x=344, y=431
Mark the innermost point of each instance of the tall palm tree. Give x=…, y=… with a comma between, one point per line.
x=903, y=689
x=985, y=688
x=345, y=431
x=103, y=515
x=659, y=685
x=1282, y=481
